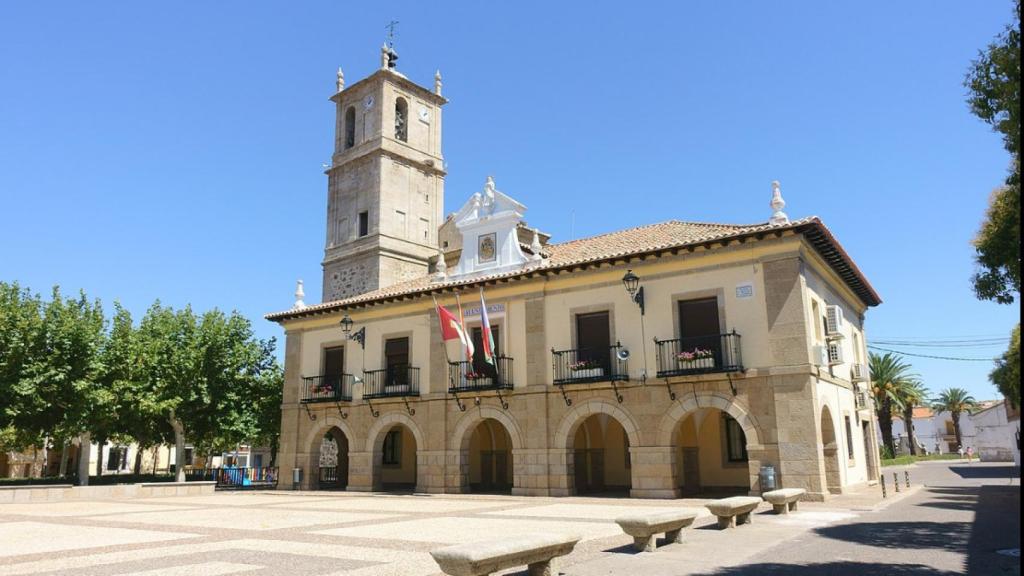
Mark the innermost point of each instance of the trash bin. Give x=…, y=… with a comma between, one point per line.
x=767, y=478
x=296, y=478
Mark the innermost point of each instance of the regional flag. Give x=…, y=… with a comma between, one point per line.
x=451, y=329
x=486, y=336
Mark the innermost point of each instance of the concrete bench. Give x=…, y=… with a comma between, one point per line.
x=643, y=526
x=785, y=499
x=536, y=551
x=733, y=511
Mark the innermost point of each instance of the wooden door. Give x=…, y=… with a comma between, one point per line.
x=594, y=339
x=691, y=471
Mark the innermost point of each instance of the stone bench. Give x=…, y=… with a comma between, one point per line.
x=733, y=511
x=784, y=500
x=643, y=526
x=536, y=551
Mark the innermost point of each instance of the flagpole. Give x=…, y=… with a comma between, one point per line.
x=448, y=361
x=462, y=320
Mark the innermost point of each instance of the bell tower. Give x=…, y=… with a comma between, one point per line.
x=385, y=185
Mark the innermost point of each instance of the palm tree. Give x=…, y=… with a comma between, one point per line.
x=888, y=374
x=911, y=393
x=955, y=401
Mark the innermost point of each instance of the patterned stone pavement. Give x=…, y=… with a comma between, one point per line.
x=352, y=534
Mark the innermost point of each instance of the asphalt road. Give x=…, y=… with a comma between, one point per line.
x=956, y=524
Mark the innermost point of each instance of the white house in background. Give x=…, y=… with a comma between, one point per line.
x=934, y=433
x=997, y=433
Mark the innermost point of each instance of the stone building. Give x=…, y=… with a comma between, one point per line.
x=661, y=360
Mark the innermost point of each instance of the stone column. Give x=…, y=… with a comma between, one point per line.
x=457, y=471
x=531, y=472
x=360, y=470
x=800, y=462
x=561, y=472
x=430, y=471
x=653, y=471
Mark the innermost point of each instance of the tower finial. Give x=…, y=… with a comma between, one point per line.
x=299, y=295
x=437, y=82
x=535, y=247
x=384, y=59
x=341, y=79
x=777, y=204
x=441, y=270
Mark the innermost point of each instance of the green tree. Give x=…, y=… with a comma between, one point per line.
x=204, y=374
x=1006, y=375
x=956, y=401
x=993, y=83
x=910, y=394
x=61, y=386
x=21, y=323
x=889, y=373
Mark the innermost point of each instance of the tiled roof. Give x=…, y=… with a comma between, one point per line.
x=653, y=238
x=922, y=412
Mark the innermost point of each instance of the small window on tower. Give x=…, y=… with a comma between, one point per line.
x=401, y=120
x=364, y=223
x=350, y=127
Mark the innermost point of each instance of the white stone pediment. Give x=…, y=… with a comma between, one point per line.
x=490, y=242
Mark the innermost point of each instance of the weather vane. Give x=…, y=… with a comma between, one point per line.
x=391, y=32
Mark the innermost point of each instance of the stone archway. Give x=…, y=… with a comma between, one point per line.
x=830, y=452
x=401, y=467
x=570, y=460
x=683, y=438
x=333, y=463
x=330, y=425
x=460, y=444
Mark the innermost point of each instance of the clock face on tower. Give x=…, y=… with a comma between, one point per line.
x=368, y=102
x=424, y=114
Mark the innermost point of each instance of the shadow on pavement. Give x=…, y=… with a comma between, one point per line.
x=983, y=472
x=996, y=526
x=836, y=569
x=942, y=535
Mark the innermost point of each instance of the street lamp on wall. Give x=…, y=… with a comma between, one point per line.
x=358, y=335
x=636, y=291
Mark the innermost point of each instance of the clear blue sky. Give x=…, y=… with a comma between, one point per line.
x=173, y=150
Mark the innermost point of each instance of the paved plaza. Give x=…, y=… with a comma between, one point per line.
x=323, y=533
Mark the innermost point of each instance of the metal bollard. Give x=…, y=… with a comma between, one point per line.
x=896, y=481
x=882, y=477
x=906, y=476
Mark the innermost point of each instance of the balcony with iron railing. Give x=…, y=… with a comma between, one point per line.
x=393, y=382
x=464, y=377
x=715, y=353
x=327, y=388
x=583, y=365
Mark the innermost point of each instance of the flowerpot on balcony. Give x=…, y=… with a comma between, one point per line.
x=696, y=364
x=588, y=373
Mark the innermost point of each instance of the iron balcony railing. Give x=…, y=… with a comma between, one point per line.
x=583, y=365
x=398, y=380
x=464, y=377
x=699, y=355
x=328, y=478
x=235, y=477
x=327, y=388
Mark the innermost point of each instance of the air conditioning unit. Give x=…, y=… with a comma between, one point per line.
x=833, y=321
x=835, y=353
x=859, y=373
x=820, y=356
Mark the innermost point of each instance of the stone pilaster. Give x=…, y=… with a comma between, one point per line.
x=653, y=470
x=430, y=471
x=360, y=471
x=561, y=472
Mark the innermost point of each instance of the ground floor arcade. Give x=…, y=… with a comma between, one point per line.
x=707, y=440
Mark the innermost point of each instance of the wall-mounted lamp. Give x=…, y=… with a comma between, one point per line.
x=636, y=291
x=358, y=336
